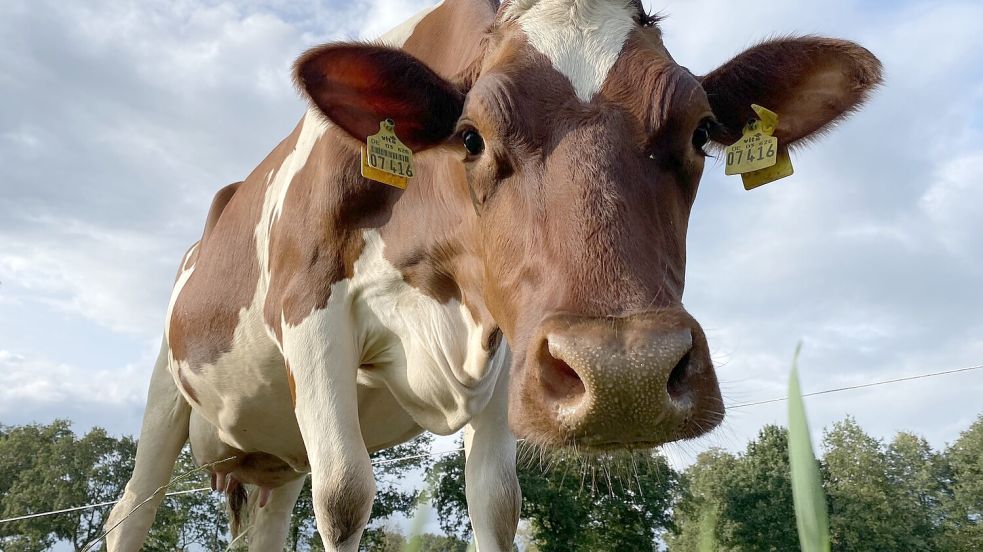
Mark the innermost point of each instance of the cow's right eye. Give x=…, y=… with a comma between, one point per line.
x=473, y=142
x=701, y=136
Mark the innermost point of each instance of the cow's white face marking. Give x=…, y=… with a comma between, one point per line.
x=582, y=38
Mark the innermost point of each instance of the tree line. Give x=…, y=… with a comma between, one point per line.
x=896, y=495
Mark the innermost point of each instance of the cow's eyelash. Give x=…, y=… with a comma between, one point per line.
x=649, y=20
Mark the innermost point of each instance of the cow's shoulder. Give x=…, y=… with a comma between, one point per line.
x=219, y=279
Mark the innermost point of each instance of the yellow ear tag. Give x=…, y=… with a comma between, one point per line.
x=385, y=159
x=757, y=156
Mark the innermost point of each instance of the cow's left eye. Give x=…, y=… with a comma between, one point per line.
x=473, y=142
x=702, y=134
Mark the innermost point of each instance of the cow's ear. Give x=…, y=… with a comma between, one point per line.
x=357, y=86
x=810, y=82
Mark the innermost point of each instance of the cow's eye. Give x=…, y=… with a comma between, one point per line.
x=702, y=134
x=473, y=142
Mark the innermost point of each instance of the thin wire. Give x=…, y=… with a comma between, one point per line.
x=203, y=489
x=861, y=386
x=99, y=505
x=415, y=457
x=445, y=452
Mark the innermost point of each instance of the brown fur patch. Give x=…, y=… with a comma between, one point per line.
x=779, y=74
x=206, y=313
x=292, y=384
x=186, y=385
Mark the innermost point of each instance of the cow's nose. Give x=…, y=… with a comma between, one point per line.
x=621, y=382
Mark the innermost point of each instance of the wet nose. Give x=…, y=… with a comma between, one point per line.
x=643, y=380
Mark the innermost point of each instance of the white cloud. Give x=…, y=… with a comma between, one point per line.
x=37, y=388
x=953, y=203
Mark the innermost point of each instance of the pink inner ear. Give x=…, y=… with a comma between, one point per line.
x=810, y=82
x=822, y=97
x=357, y=86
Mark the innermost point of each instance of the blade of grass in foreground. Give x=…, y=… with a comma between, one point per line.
x=414, y=541
x=708, y=528
x=807, y=489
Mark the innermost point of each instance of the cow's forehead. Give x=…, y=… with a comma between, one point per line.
x=581, y=38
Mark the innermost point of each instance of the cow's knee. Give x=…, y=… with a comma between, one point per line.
x=494, y=500
x=342, y=505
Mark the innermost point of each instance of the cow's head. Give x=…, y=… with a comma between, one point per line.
x=578, y=143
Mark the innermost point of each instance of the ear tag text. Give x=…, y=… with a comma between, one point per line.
x=757, y=156
x=385, y=159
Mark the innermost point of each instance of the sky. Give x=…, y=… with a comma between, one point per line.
x=121, y=118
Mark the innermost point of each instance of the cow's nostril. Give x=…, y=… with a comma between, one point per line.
x=677, y=386
x=560, y=381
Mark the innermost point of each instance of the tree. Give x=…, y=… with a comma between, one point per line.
x=604, y=502
x=758, y=500
x=46, y=468
x=965, y=457
x=741, y=503
x=64, y=472
x=699, y=503
x=24, y=487
x=434, y=543
x=862, y=516
x=919, y=479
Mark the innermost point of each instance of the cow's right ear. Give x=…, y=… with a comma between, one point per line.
x=357, y=86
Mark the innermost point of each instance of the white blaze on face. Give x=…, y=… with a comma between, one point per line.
x=582, y=38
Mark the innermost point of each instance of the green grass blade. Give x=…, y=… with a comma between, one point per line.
x=807, y=489
x=414, y=541
x=708, y=530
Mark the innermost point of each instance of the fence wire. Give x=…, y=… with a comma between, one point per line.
x=446, y=452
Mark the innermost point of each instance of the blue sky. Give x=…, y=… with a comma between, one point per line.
x=120, y=120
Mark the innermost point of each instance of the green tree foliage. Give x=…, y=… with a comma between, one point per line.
x=618, y=502
x=862, y=512
x=434, y=543
x=920, y=483
x=57, y=471
x=46, y=467
x=744, y=502
x=903, y=496
x=965, y=458
x=698, y=525
x=758, y=499
x=24, y=487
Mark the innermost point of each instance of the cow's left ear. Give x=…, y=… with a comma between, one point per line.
x=810, y=82
x=357, y=86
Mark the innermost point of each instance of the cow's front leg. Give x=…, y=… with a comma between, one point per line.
x=490, y=481
x=323, y=361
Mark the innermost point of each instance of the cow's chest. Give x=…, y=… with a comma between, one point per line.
x=268, y=448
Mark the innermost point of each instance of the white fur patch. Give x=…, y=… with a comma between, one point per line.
x=312, y=128
x=427, y=353
x=582, y=38
x=401, y=33
x=182, y=280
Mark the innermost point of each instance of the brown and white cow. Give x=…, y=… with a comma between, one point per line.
x=528, y=283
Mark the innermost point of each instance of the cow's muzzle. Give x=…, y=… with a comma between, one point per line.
x=637, y=381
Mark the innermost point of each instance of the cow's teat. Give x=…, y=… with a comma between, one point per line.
x=612, y=382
